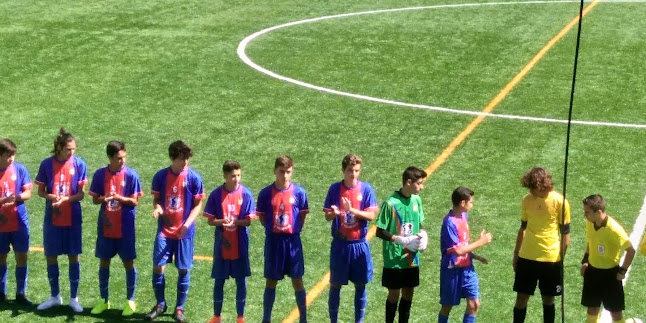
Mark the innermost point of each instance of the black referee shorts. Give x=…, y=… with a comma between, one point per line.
x=600, y=286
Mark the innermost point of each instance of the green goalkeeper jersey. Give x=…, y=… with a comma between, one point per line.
x=403, y=217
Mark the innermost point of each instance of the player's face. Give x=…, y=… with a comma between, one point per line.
x=418, y=185
x=179, y=163
x=283, y=175
x=468, y=204
x=6, y=159
x=589, y=214
x=66, y=151
x=232, y=178
x=351, y=173
x=118, y=160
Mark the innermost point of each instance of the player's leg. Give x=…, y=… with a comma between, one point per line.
x=52, y=241
x=75, y=278
x=162, y=254
x=473, y=305
x=104, y=283
x=339, y=272
x=405, y=304
x=3, y=275
x=443, y=316
x=361, y=271
x=131, y=285
x=275, y=261
x=471, y=291
x=268, y=299
x=525, y=280
x=613, y=295
x=218, y=298
x=21, y=248
x=184, y=263
x=591, y=294
x=550, y=283
x=295, y=268
x=593, y=314
x=449, y=292
x=391, y=304
x=391, y=279
x=241, y=298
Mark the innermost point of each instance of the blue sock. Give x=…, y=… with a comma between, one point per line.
x=3, y=278
x=333, y=304
x=442, y=319
x=302, y=305
x=75, y=277
x=268, y=303
x=52, y=276
x=159, y=286
x=360, y=302
x=468, y=318
x=104, y=282
x=241, y=295
x=183, y=283
x=21, y=280
x=218, y=296
x=131, y=283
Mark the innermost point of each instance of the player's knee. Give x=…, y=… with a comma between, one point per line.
x=129, y=264
x=271, y=283
x=158, y=270
x=298, y=284
x=473, y=305
x=521, y=300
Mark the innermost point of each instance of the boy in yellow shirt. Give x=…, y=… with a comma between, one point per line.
x=602, y=275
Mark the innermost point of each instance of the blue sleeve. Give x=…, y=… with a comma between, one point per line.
x=97, y=185
x=157, y=185
x=448, y=235
x=261, y=206
x=135, y=184
x=42, y=173
x=369, y=198
x=197, y=189
x=329, y=198
x=212, y=206
x=81, y=169
x=248, y=205
x=23, y=173
x=303, y=205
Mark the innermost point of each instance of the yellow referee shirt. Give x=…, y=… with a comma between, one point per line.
x=543, y=216
x=606, y=244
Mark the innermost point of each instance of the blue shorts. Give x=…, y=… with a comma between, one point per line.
x=62, y=240
x=350, y=261
x=283, y=256
x=223, y=269
x=167, y=249
x=458, y=283
x=19, y=240
x=106, y=248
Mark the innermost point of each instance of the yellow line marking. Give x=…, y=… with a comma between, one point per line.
x=322, y=284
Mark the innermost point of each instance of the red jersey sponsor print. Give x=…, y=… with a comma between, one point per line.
x=112, y=216
x=62, y=186
x=8, y=211
x=462, y=227
x=231, y=205
x=349, y=226
x=173, y=217
x=282, y=205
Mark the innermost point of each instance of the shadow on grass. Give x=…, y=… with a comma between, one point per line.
x=111, y=315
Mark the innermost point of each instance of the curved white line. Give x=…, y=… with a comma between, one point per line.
x=245, y=42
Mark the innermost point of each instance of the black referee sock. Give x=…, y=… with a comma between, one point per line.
x=391, y=310
x=519, y=315
x=549, y=313
x=404, y=310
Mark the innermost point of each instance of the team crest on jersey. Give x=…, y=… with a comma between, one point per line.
x=113, y=205
x=291, y=200
x=281, y=220
x=407, y=229
x=349, y=221
x=63, y=190
x=415, y=208
x=123, y=182
x=184, y=183
x=359, y=197
x=240, y=201
x=175, y=204
x=602, y=249
x=13, y=177
x=71, y=171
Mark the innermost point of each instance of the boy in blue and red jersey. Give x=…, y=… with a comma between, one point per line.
x=350, y=204
x=230, y=208
x=178, y=195
x=117, y=189
x=282, y=207
x=458, y=278
x=15, y=189
x=61, y=181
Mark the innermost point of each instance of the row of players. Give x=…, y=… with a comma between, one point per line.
x=350, y=204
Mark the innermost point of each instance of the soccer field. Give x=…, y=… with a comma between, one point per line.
x=397, y=87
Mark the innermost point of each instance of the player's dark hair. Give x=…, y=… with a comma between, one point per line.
x=61, y=140
x=413, y=173
x=7, y=146
x=461, y=194
x=114, y=147
x=595, y=202
x=230, y=165
x=179, y=149
x=283, y=161
x=350, y=160
x=538, y=178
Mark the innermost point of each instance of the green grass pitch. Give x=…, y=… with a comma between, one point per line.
x=150, y=72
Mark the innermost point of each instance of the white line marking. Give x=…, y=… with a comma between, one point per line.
x=635, y=239
x=245, y=42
